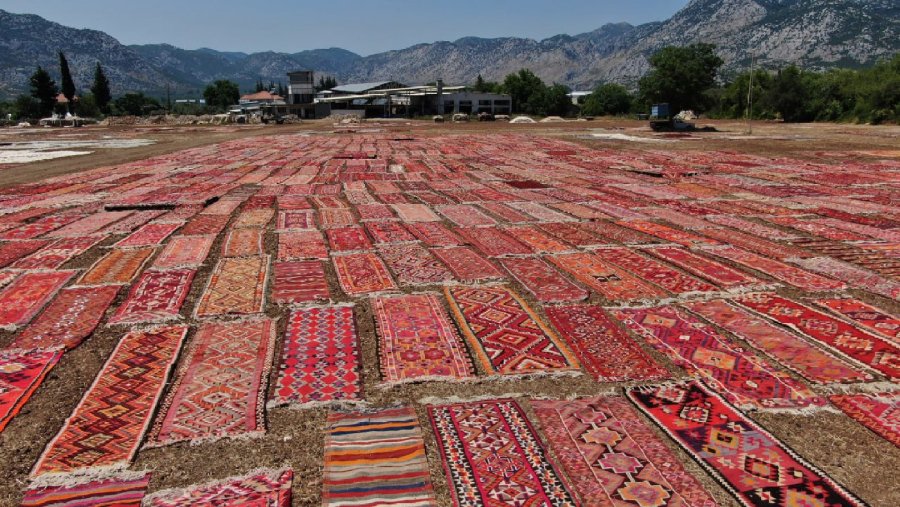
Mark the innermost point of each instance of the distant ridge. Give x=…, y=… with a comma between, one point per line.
x=811, y=33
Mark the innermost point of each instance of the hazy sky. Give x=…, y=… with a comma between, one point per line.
x=364, y=27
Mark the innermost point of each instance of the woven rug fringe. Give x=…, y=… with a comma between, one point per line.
x=178, y=492
x=86, y=475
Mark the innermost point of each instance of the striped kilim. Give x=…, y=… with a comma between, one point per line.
x=362, y=273
x=715, y=272
x=492, y=456
x=873, y=319
x=184, y=252
x=880, y=412
x=108, y=424
x=299, y=282
x=506, y=334
x=21, y=372
x=417, y=340
x=69, y=319
x=113, y=492
x=22, y=299
x=319, y=358
x=754, y=466
x=728, y=368
x=118, y=266
x=613, y=457
x=873, y=351
x=156, y=297
x=789, y=274
x=538, y=240
x=376, y=458
x=236, y=286
x=221, y=384
x=786, y=348
x=261, y=488
x=434, y=234
x=605, y=351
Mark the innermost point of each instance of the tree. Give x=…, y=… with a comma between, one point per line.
x=526, y=91
x=26, y=107
x=135, y=104
x=68, y=85
x=221, y=94
x=259, y=86
x=789, y=95
x=282, y=90
x=607, y=99
x=681, y=76
x=43, y=88
x=100, y=90
x=325, y=83
x=555, y=101
x=485, y=86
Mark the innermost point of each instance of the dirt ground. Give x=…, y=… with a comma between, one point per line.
x=863, y=462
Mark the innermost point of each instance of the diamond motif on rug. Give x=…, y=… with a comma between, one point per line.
x=319, y=359
x=757, y=468
x=466, y=265
x=414, y=265
x=545, y=283
x=22, y=299
x=236, y=286
x=611, y=282
x=263, y=488
x=492, y=456
x=69, y=319
x=220, y=387
x=106, y=427
x=508, y=337
x=362, y=273
x=21, y=373
x=156, y=297
x=880, y=412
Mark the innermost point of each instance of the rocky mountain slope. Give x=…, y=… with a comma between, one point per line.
x=810, y=33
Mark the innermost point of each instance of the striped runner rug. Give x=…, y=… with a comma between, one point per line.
x=112, y=492
x=376, y=458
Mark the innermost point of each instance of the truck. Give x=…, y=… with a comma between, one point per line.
x=661, y=119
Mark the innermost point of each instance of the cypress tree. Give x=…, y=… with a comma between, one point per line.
x=100, y=89
x=68, y=85
x=44, y=89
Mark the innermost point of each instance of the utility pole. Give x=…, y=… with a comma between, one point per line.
x=750, y=99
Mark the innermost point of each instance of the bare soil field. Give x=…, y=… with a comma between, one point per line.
x=755, y=275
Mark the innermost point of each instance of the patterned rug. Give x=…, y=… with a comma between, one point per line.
x=106, y=427
x=667, y=233
x=376, y=458
x=868, y=349
x=780, y=271
x=362, y=273
x=220, y=388
x=464, y=215
x=335, y=217
x=613, y=457
x=11, y=251
x=737, y=374
x=203, y=225
x=237, y=286
x=256, y=218
x=299, y=282
x=855, y=276
x=415, y=213
x=508, y=337
x=21, y=372
x=22, y=299
x=492, y=242
x=117, y=267
x=348, y=239
x=389, y=232
x=754, y=244
x=289, y=220
x=69, y=319
x=506, y=213
x=296, y=245
x=262, y=488
x=606, y=352
x=466, y=265
x=244, y=242
x=613, y=283
x=704, y=267
x=319, y=359
x=878, y=411
x=653, y=271
x=148, y=235
x=789, y=350
x=537, y=240
x=54, y=255
x=184, y=252
x=493, y=456
x=573, y=234
x=614, y=233
x=754, y=466
x=414, y=265
x=101, y=493
x=874, y=319
x=374, y=212
x=545, y=283
x=432, y=234
x=156, y=297
x=417, y=341
x=40, y=226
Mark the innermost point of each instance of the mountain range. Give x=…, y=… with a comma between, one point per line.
x=814, y=34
